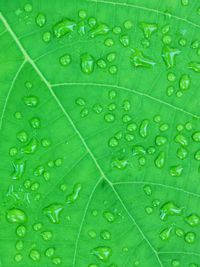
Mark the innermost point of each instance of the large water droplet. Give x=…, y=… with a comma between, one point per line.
x=64, y=27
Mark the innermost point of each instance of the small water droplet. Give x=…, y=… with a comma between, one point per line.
x=65, y=60
x=40, y=19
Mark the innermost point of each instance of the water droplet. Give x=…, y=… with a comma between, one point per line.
x=182, y=153
x=92, y=234
x=170, y=90
x=53, y=212
x=181, y=139
x=39, y=170
x=147, y=189
x=40, y=20
x=31, y=147
x=166, y=233
x=63, y=27
x=193, y=219
x=22, y=136
x=164, y=127
x=46, y=36
x=179, y=232
x=87, y=63
x=169, y=209
x=37, y=227
x=111, y=57
x=109, y=117
x=16, y=216
x=149, y=210
x=160, y=140
x=45, y=142
x=128, y=24
x=132, y=127
x=126, y=118
x=109, y=216
x=175, y=263
x=109, y=42
x=113, y=142
x=82, y=14
x=28, y=8
x=71, y=198
x=21, y=231
x=34, y=255
x=19, y=168
x=197, y=155
x=169, y=55
x=195, y=66
x=176, y=171
x=144, y=128
x=185, y=2
x=31, y=101
x=35, y=123
x=101, y=29
x=19, y=245
x=148, y=29
x=113, y=69
x=92, y=22
x=129, y=137
x=124, y=40
x=171, y=77
x=65, y=60
x=97, y=108
x=184, y=82
x=101, y=63
x=151, y=150
x=102, y=253
x=117, y=30
x=167, y=39
x=49, y=252
x=196, y=136
x=18, y=257
x=139, y=60
x=160, y=160
x=105, y=235
x=18, y=115
x=138, y=150
x=46, y=235
x=13, y=151
x=190, y=237
x=56, y=260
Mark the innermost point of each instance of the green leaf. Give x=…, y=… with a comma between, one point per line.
x=99, y=133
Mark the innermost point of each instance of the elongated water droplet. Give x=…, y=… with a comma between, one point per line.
x=102, y=253
x=169, y=55
x=64, y=27
x=148, y=29
x=144, y=128
x=31, y=147
x=166, y=233
x=74, y=195
x=101, y=29
x=19, y=169
x=169, y=209
x=139, y=60
x=160, y=160
x=53, y=212
x=195, y=66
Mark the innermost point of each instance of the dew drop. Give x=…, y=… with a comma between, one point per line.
x=184, y=82
x=193, y=220
x=31, y=101
x=46, y=36
x=139, y=60
x=21, y=231
x=109, y=216
x=124, y=40
x=148, y=29
x=166, y=234
x=31, y=147
x=49, y=252
x=19, y=168
x=144, y=128
x=35, y=122
x=40, y=20
x=109, y=117
x=147, y=190
x=169, y=55
x=190, y=237
x=34, y=255
x=105, y=235
x=65, y=60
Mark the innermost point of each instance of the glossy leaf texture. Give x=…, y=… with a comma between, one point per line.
x=100, y=133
